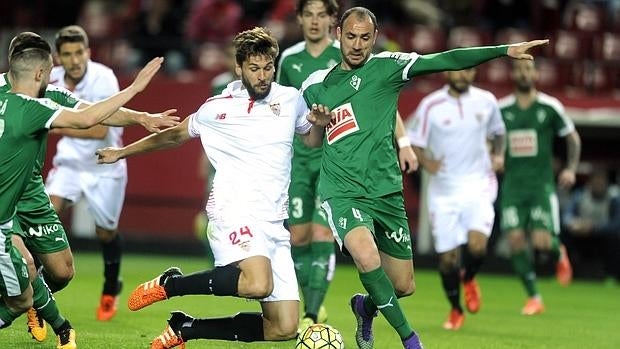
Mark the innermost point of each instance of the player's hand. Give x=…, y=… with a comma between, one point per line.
x=108, y=155
x=146, y=74
x=497, y=163
x=567, y=177
x=519, y=50
x=433, y=166
x=407, y=159
x=319, y=115
x=154, y=123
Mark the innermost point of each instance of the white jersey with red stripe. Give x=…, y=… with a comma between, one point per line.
x=98, y=83
x=456, y=130
x=249, y=143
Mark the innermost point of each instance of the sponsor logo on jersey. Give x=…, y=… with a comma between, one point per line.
x=220, y=116
x=297, y=66
x=355, y=82
x=275, y=108
x=343, y=124
x=522, y=143
x=398, y=236
x=43, y=230
x=509, y=116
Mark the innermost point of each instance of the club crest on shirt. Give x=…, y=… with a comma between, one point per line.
x=343, y=123
x=275, y=108
x=356, y=82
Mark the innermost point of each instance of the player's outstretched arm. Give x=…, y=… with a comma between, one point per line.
x=319, y=116
x=464, y=58
x=96, y=113
x=152, y=122
x=169, y=138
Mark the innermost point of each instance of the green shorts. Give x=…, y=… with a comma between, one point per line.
x=37, y=221
x=385, y=217
x=530, y=211
x=304, y=202
x=13, y=268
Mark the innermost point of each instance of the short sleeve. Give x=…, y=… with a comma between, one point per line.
x=396, y=65
x=302, y=125
x=496, y=123
x=193, y=127
x=62, y=96
x=41, y=113
x=562, y=124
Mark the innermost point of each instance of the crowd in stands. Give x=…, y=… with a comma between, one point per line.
x=583, y=56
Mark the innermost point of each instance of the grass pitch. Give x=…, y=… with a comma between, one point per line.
x=584, y=315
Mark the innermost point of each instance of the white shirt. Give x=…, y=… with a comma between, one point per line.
x=99, y=82
x=456, y=130
x=250, y=144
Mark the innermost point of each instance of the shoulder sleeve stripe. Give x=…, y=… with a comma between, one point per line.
x=48, y=124
x=506, y=101
x=315, y=78
x=557, y=106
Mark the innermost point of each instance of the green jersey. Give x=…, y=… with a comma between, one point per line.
x=530, y=133
x=359, y=157
x=57, y=94
x=23, y=128
x=295, y=65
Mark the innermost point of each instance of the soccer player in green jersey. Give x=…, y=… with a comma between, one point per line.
x=528, y=197
x=312, y=243
x=25, y=118
x=360, y=181
x=42, y=230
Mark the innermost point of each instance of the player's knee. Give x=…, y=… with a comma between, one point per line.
x=105, y=235
x=64, y=274
x=404, y=288
x=283, y=331
x=477, y=249
x=21, y=304
x=259, y=289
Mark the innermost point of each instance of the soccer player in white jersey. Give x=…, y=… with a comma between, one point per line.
x=76, y=174
x=449, y=131
x=247, y=132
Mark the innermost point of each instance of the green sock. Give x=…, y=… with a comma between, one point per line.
x=554, y=252
x=381, y=291
x=524, y=267
x=321, y=273
x=45, y=304
x=302, y=257
x=6, y=316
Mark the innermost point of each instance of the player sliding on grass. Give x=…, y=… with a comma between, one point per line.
x=247, y=132
x=360, y=180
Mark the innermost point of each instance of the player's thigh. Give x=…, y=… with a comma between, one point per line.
x=65, y=183
x=391, y=226
x=302, y=194
x=545, y=212
x=105, y=197
x=478, y=215
x=39, y=226
x=14, y=276
x=514, y=212
x=280, y=319
x=344, y=215
x=282, y=267
x=58, y=264
x=446, y=228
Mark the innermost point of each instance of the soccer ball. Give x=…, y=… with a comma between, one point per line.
x=320, y=336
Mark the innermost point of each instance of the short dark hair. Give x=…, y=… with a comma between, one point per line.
x=26, y=60
x=27, y=40
x=72, y=33
x=331, y=6
x=360, y=12
x=255, y=42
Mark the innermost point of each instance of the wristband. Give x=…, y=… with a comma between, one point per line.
x=403, y=142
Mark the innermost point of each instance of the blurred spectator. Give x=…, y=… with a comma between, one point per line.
x=591, y=223
x=158, y=31
x=215, y=21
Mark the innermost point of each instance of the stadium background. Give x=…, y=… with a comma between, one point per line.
x=581, y=67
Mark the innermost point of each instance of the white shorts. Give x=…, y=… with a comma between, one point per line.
x=453, y=216
x=235, y=241
x=104, y=195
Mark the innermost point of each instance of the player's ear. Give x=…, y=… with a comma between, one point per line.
x=87, y=51
x=238, y=70
x=338, y=32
